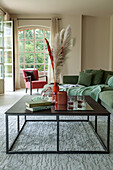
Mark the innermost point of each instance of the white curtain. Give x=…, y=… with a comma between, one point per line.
x=17, y=69
x=54, y=29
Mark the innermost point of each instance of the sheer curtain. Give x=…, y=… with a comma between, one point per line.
x=54, y=29
x=17, y=69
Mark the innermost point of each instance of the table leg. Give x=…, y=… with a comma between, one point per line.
x=25, y=118
x=7, y=135
x=96, y=124
x=57, y=133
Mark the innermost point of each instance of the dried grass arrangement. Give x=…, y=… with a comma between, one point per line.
x=58, y=55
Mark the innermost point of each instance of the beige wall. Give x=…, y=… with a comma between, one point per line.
x=95, y=51
x=73, y=63
x=91, y=35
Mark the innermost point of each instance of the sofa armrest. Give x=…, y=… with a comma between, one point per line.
x=70, y=79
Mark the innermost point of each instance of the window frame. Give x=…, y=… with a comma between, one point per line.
x=34, y=52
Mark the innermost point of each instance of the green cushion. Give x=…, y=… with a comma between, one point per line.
x=97, y=76
x=108, y=77
x=107, y=97
x=68, y=79
x=105, y=75
x=85, y=78
x=110, y=81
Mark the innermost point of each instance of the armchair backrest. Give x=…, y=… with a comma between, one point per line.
x=34, y=71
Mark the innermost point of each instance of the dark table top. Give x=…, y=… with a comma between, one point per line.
x=20, y=109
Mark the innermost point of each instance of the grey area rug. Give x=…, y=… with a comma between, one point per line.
x=42, y=136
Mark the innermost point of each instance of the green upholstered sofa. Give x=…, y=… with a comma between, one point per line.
x=105, y=97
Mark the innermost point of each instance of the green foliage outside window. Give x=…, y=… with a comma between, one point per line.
x=40, y=67
x=29, y=58
x=29, y=34
x=39, y=34
x=29, y=46
x=39, y=58
x=39, y=46
x=33, y=51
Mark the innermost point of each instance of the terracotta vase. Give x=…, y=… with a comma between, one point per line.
x=54, y=93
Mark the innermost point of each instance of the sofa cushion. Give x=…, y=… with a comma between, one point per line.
x=97, y=76
x=110, y=81
x=108, y=77
x=68, y=79
x=105, y=75
x=30, y=73
x=85, y=78
x=107, y=97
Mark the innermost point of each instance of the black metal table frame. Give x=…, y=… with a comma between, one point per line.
x=9, y=150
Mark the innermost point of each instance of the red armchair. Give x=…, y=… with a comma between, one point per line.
x=31, y=79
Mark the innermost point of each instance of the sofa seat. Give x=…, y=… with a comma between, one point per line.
x=107, y=98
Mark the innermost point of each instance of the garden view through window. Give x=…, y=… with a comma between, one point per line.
x=33, y=53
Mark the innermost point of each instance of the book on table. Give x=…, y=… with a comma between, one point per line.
x=39, y=108
x=37, y=103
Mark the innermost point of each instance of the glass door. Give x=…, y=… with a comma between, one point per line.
x=8, y=55
x=1, y=54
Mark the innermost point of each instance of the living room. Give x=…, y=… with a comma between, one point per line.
x=92, y=29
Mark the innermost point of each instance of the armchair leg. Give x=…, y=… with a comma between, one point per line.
x=30, y=86
x=26, y=90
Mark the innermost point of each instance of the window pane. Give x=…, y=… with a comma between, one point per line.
x=29, y=58
x=1, y=23
x=21, y=45
x=1, y=56
x=46, y=67
x=22, y=66
x=7, y=43
x=29, y=34
x=29, y=46
x=39, y=57
x=39, y=46
x=7, y=29
x=29, y=66
x=39, y=34
x=1, y=40
x=21, y=56
x=1, y=71
x=47, y=35
x=40, y=67
x=8, y=68
x=46, y=58
x=21, y=35
x=8, y=57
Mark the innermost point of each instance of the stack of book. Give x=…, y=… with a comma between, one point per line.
x=38, y=105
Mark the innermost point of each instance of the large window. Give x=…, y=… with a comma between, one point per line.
x=1, y=47
x=33, y=52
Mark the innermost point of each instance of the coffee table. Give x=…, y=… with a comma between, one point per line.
x=19, y=110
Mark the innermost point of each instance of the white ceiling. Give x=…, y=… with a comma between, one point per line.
x=55, y=7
